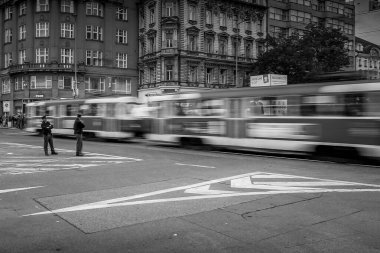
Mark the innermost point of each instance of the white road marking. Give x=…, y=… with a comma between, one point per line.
x=19, y=189
x=195, y=165
x=205, y=189
x=14, y=164
x=207, y=193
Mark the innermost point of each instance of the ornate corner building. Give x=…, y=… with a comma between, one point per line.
x=52, y=49
x=367, y=58
x=198, y=44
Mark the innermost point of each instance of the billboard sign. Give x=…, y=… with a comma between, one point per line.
x=268, y=80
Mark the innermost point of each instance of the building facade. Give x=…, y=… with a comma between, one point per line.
x=52, y=49
x=367, y=15
x=288, y=16
x=198, y=44
x=367, y=58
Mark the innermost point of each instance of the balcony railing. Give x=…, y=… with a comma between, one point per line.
x=60, y=67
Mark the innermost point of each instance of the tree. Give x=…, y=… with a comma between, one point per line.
x=318, y=51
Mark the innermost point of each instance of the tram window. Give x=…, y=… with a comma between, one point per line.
x=274, y=106
x=70, y=110
x=51, y=111
x=322, y=105
x=38, y=111
x=354, y=104
x=110, y=112
x=212, y=107
x=187, y=108
x=373, y=105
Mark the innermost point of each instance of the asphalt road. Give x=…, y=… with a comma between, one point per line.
x=138, y=197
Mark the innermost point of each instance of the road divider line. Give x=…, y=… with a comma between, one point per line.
x=195, y=165
x=19, y=189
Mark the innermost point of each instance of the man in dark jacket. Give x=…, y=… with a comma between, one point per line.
x=48, y=137
x=78, y=131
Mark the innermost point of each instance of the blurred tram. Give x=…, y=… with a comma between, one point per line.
x=109, y=118
x=326, y=118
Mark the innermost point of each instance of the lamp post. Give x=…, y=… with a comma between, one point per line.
x=75, y=85
x=236, y=51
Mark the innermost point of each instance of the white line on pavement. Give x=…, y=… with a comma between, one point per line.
x=195, y=165
x=19, y=189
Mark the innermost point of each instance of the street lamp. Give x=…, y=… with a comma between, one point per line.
x=75, y=85
x=236, y=50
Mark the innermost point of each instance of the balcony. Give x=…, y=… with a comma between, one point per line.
x=56, y=67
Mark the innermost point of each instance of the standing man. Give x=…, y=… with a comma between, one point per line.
x=48, y=137
x=78, y=131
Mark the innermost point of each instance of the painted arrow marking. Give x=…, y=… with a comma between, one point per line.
x=19, y=189
x=250, y=181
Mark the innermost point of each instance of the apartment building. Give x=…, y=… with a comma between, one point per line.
x=53, y=49
x=198, y=44
x=288, y=16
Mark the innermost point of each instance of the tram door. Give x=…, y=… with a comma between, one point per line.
x=235, y=126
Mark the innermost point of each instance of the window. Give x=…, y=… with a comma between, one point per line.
x=42, y=5
x=151, y=15
x=152, y=47
x=152, y=75
x=42, y=29
x=209, y=75
x=42, y=55
x=65, y=82
x=300, y=17
x=348, y=12
x=67, y=30
x=260, y=25
x=169, y=72
x=22, y=32
x=248, y=25
x=94, y=9
x=7, y=59
x=302, y=2
x=248, y=49
x=67, y=55
x=95, y=84
x=121, y=14
x=8, y=36
x=374, y=5
x=334, y=7
x=122, y=60
x=276, y=31
x=235, y=48
x=169, y=7
x=121, y=85
x=193, y=77
x=235, y=21
x=222, y=19
x=8, y=13
x=40, y=82
x=5, y=86
x=22, y=9
x=223, y=46
x=277, y=14
x=21, y=56
x=349, y=29
x=208, y=17
x=94, y=58
x=223, y=76
x=209, y=45
x=193, y=42
x=121, y=36
x=94, y=33
x=169, y=38
x=67, y=6
x=192, y=12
